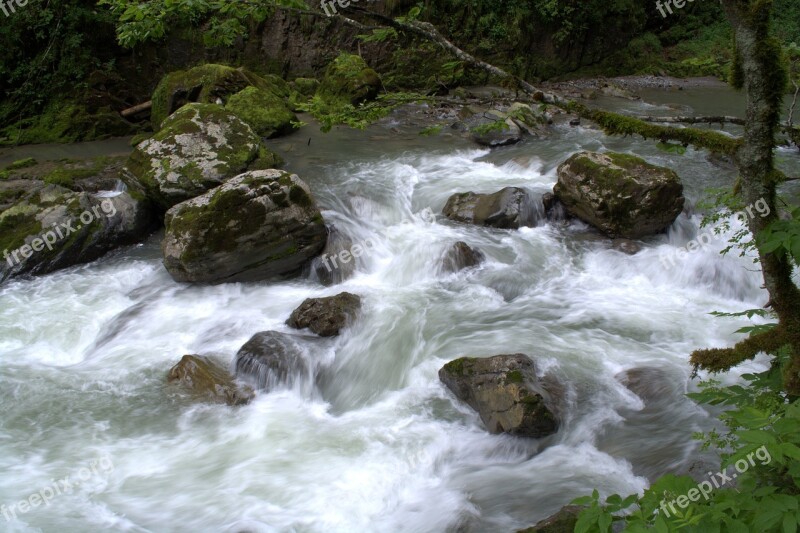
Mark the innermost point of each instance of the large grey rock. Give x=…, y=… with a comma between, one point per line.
x=271, y=359
x=209, y=381
x=198, y=148
x=508, y=208
x=619, y=194
x=45, y=227
x=326, y=316
x=505, y=392
x=260, y=225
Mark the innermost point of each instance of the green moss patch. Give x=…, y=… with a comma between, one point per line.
x=266, y=113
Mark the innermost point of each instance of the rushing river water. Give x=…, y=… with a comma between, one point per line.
x=379, y=445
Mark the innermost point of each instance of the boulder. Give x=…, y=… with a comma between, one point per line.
x=505, y=392
x=348, y=80
x=461, y=256
x=508, y=208
x=619, y=194
x=53, y=216
x=209, y=381
x=626, y=246
x=563, y=521
x=271, y=359
x=326, y=316
x=198, y=148
x=259, y=225
x=208, y=84
x=327, y=271
x=651, y=384
x=490, y=127
x=267, y=114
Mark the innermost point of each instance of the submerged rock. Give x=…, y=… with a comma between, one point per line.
x=330, y=272
x=505, y=392
x=563, y=521
x=198, y=148
x=626, y=246
x=259, y=225
x=271, y=359
x=508, y=208
x=461, y=256
x=619, y=194
x=209, y=381
x=326, y=316
x=56, y=216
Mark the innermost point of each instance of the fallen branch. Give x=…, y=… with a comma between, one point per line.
x=722, y=120
x=136, y=109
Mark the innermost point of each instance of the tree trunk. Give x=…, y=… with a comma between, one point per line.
x=764, y=82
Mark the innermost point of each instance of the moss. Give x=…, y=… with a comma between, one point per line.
x=458, y=367
x=266, y=160
x=266, y=113
x=66, y=122
x=141, y=137
x=71, y=171
x=22, y=163
x=14, y=228
x=515, y=376
x=306, y=86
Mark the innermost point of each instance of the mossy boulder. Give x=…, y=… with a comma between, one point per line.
x=198, y=148
x=56, y=216
x=619, y=194
x=326, y=316
x=209, y=83
x=305, y=86
x=259, y=225
x=267, y=114
x=209, y=381
x=348, y=80
x=271, y=359
x=505, y=392
x=508, y=208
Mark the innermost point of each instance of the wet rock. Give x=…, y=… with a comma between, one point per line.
x=198, y=148
x=619, y=194
x=505, y=392
x=209, y=381
x=326, y=316
x=259, y=225
x=461, y=256
x=508, y=208
x=53, y=216
x=271, y=359
x=490, y=128
x=626, y=246
x=575, y=122
x=563, y=521
x=330, y=272
x=648, y=383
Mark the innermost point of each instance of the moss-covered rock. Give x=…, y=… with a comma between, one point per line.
x=87, y=209
x=209, y=83
x=505, y=392
x=66, y=122
x=619, y=194
x=348, y=80
x=209, y=381
x=259, y=225
x=199, y=147
x=267, y=114
x=508, y=208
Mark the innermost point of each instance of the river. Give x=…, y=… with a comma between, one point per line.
x=379, y=444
